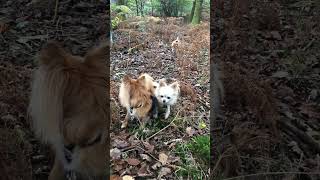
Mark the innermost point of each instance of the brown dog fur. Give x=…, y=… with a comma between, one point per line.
x=69, y=105
x=149, y=83
x=134, y=94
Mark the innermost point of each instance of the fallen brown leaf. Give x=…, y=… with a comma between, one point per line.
x=115, y=177
x=133, y=161
x=149, y=147
x=164, y=171
x=190, y=131
x=127, y=177
x=163, y=158
x=115, y=153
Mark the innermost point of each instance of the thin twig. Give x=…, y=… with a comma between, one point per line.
x=55, y=11
x=164, y=127
x=173, y=166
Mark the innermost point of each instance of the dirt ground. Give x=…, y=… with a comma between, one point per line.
x=268, y=52
x=143, y=45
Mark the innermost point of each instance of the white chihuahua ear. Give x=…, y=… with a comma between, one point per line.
x=175, y=86
x=162, y=82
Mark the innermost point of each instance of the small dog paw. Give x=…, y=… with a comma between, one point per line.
x=166, y=116
x=124, y=125
x=155, y=116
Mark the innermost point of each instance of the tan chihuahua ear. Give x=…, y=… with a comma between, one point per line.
x=141, y=80
x=162, y=82
x=98, y=55
x=53, y=54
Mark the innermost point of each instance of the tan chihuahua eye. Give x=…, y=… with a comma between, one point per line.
x=139, y=106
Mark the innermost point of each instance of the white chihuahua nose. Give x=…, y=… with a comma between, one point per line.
x=163, y=101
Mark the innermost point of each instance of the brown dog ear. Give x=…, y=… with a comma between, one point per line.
x=162, y=82
x=126, y=78
x=52, y=54
x=98, y=55
x=142, y=78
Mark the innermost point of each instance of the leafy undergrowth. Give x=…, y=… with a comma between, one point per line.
x=163, y=147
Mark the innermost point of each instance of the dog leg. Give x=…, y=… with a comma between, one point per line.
x=125, y=121
x=154, y=107
x=167, y=112
x=57, y=172
x=144, y=121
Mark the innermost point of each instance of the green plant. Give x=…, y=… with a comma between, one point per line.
x=149, y=129
x=119, y=13
x=198, y=147
x=188, y=166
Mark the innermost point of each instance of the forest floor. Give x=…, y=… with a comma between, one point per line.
x=268, y=127
x=167, y=149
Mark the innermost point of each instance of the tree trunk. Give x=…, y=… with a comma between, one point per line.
x=137, y=5
x=141, y=7
x=192, y=10
x=197, y=13
x=151, y=7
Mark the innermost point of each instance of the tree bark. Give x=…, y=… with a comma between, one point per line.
x=197, y=12
x=141, y=7
x=137, y=5
x=192, y=10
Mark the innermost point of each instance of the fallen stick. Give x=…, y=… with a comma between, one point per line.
x=55, y=11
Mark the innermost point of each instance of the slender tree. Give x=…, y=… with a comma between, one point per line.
x=137, y=5
x=141, y=7
x=197, y=12
x=192, y=10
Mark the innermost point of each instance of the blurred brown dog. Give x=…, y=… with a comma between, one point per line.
x=136, y=98
x=69, y=108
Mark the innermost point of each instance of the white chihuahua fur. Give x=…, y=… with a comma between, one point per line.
x=167, y=95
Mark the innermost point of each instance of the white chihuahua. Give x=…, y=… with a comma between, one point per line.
x=167, y=95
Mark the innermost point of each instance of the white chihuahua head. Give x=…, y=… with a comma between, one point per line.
x=167, y=94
